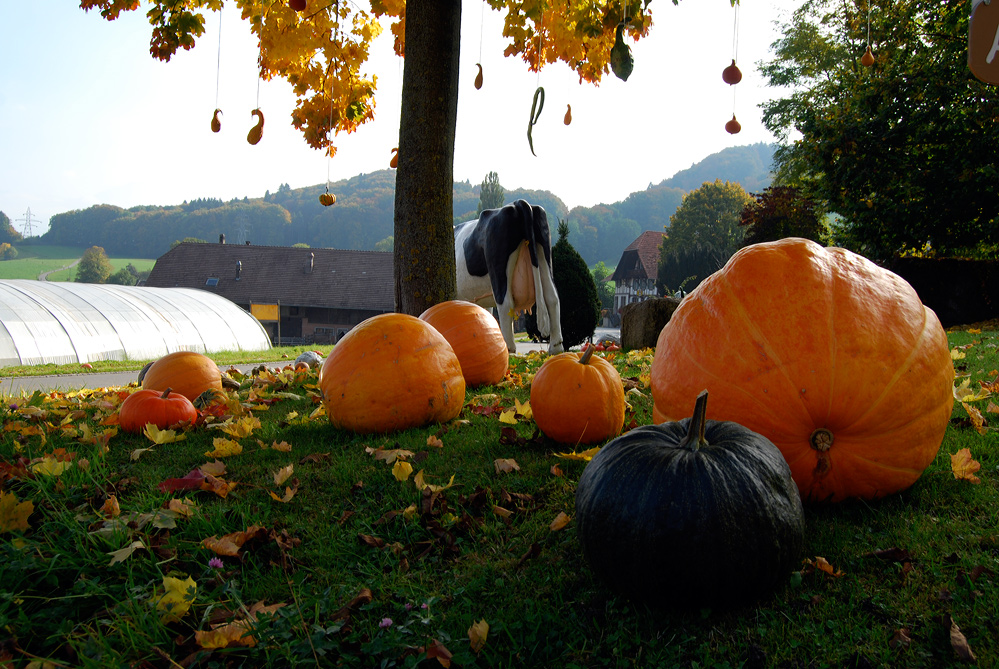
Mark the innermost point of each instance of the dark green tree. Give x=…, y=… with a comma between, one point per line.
x=898, y=149
x=579, y=305
x=491, y=194
x=605, y=288
x=127, y=276
x=7, y=252
x=7, y=232
x=94, y=266
x=779, y=212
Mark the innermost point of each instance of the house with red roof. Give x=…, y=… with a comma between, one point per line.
x=635, y=276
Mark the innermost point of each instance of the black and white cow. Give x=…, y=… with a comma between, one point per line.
x=504, y=260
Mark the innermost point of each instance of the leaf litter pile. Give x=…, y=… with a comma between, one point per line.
x=260, y=535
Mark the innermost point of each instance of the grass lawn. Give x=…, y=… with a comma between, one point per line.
x=33, y=260
x=310, y=546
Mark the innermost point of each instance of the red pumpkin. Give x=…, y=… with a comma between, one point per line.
x=476, y=339
x=578, y=399
x=391, y=372
x=187, y=372
x=162, y=409
x=829, y=356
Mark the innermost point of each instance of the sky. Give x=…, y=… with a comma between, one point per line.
x=88, y=117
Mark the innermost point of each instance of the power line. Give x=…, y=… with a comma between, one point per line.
x=28, y=219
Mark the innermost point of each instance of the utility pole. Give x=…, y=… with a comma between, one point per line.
x=26, y=229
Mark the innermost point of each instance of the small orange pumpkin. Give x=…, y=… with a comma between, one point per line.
x=187, y=372
x=162, y=409
x=391, y=372
x=578, y=398
x=829, y=356
x=476, y=339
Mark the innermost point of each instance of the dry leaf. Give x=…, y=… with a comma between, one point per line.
x=505, y=465
x=214, y=468
x=524, y=409
x=123, y=554
x=158, y=436
x=283, y=474
x=964, y=466
x=282, y=446
x=437, y=650
x=557, y=471
x=13, y=513
x=823, y=565
x=501, y=512
x=977, y=419
x=244, y=427
x=900, y=639
x=434, y=442
x=181, y=507
x=289, y=493
x=955, y=354
x=421, y=484
x=177, y=598
x=477, y=635
x=111, y=508
x=401, y=470
x=960, y=644
x=389, y=456
x=508, y=416
x=224, y=448
x=230, y=544
x=561, y=520
x=585, y=456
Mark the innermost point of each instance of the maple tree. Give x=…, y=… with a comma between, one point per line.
x=322, y=50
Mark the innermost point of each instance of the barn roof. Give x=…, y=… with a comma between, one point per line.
x=640, y=260
x=293, y=276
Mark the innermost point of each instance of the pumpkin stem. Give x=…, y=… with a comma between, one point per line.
x=166, y=394
x=587, y=354
x=821, y=440
x=695, y=429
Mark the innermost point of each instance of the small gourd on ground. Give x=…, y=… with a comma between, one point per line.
x=188, y=372
x=162, y=409
x=690, y=514
x=578, y=398
x=834, y=359
x=391, y=372
x=476, y=339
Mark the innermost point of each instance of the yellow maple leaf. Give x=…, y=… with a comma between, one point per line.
x=421, y=484
x=289, y=493
x=241, y=428
x=111, y=508
x=281, y=446
x=964, y=466
x=585, y=456
x=214, y=468
x=178, y=595
x=50, y=466
x=561, y=520
x=224, y=448
x=505, y=465
x=508, y=416
x=964, y=393
x=401, y=470
x=13, y=512
x=158, y=436
x=388, y=455
x=434, y=442
x=956, y=354
x=524, y=409
x=182, y=507
x=977, y=419
x=123, y=554
x=477, y=635
x=283, y=474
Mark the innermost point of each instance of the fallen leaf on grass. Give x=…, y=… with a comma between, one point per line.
x=111, y=508
x=421, y=484
x=977, y=419
x=177, y=598
x=282, y=446
x=524, y=409
x=505, y=465
x=561, y=520
x=214, y=468
x=477, y=635
x=437, y=650
x=401, y=470
x=230, y=544
x=585, y=456
x=434, y=442
x=160, y=437
x=900, y=639
x=236, y=633
x=371, y=541
x=389, y=456
x=224, y=448
x=363, y=597
x=556, y=471
x=49, y=466
x=14, y=513
x=959, y=643
x=316, y=458
x=964, y=466
x=289, y=493
x=823, y=565
x=123, y=554
x=283, y=474
x=181, y=507
x=241, y=428
x=508, y=416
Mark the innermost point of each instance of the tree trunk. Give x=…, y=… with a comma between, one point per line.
x=424, y=185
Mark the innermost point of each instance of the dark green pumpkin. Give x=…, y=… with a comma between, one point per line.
x=705, y=518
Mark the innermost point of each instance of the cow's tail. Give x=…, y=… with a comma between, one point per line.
x=534, y=218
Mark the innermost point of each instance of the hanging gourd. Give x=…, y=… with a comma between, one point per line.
x=187, y=372
x=567, y=119
x=394, y=163
x=578, y=399
x=536, y=106
x=690, y=514
x=621, y=60
x=391, y=372
x=162, y=409
x=257, y=131
x=326, y=199
x=868, y=58
x=831, y=357
x=478, y=77
x=733, y=126
x=476, y=339
x=732, y=75
x=216, y=123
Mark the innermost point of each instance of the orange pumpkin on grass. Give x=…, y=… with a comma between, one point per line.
x=162, y=409
x=829, y=356
x=391, y=372
x=476, y=339
x=187, y=372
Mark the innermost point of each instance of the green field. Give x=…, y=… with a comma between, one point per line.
x=33, y=261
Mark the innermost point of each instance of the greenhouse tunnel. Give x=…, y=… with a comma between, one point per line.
x=60, y=323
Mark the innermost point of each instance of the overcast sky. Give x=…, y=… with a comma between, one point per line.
x=88, y=117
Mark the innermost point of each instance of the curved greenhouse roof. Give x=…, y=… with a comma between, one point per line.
x=43, y=322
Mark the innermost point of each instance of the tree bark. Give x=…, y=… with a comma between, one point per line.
x=424, y=186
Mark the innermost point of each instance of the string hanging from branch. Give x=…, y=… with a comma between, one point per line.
x=216, y=122
x=732, y=75
x=482, y=20
x=326, y=199
x=257, y=131
x=867, y=60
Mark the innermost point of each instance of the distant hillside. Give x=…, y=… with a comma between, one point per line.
x=363, y=214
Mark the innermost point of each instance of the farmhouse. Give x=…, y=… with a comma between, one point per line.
x=300, y=295
x=635, y=276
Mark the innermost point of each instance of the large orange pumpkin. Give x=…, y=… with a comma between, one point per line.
x=162, y=409
x=391, y=372
x=829, y=356
x=578, y=398
x=187, y=372
x=476, y=339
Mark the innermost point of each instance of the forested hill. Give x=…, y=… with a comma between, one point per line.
x=362, y=216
